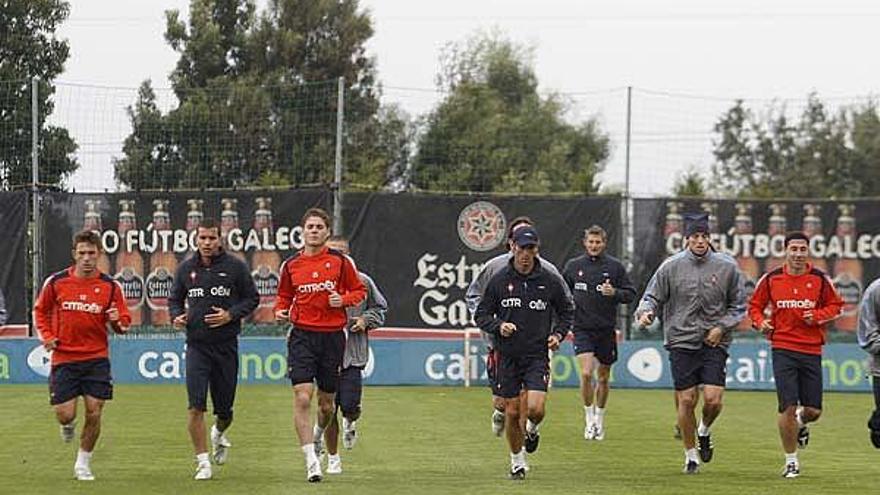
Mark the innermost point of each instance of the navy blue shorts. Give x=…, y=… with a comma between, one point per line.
x=350, y=391
x=214, y=367
x=798, y=379
x=315, y=356
x=70, y=380
x=516, y=374
x=602, y=344
x=492, y=358
x=704, y=366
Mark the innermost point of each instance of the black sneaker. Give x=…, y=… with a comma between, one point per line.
x=531, y=442
x=706, y=447
x=791, y=470
x=803, y=436
x=691, y=467
x=517, y=474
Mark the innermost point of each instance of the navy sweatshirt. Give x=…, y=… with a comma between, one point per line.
x=594, y=311
x=529, y=301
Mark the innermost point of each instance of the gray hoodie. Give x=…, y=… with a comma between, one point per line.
x=373, y=308
x=692, y=294
x=869, y=325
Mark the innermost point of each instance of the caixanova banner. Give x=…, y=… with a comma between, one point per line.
x=429, y=361
x=844, y=239
x=145, y=236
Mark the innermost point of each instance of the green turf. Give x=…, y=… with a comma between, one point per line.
x=434, y=440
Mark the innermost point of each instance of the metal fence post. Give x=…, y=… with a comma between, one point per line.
x=35, y=190
x=337, y=175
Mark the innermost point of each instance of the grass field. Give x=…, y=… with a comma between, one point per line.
x=434, y=440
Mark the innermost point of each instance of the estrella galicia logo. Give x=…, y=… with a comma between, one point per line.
x=40, y=361
x=481, y=226
x=646, y=365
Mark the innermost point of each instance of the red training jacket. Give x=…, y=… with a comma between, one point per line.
x=305, y=287
x=789, y=296
x=74, y=310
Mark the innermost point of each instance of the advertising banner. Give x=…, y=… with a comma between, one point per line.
x=641, y=364
x=13, y=252
x=844, y=240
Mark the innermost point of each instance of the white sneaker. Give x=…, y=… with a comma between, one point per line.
x=498, y=418
x=334, y=464
x=318, y=440
x=589, y=431
x=313, y=472
x=349, y=434
x=220, y=446
x=68, y=431
x=203, y=472
x=599, y=432
x=83, y=473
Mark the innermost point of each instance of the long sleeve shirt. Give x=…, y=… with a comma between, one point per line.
x=529, y=301
x=789, y=297
x=198, y=287
x=692, y=294
x=372, y=309
x=306, y=284
x=593, y=310
x=73, y=310
x=868, y=331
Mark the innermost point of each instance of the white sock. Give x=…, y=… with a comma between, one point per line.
x=83, y=458
x=522, y=451
x=797, y=416
x=590, y=414
x=691, y=455
x=518, y=459
x=203, y=458
x=531, y=427
x=333, y=457
x=309, y=451
x=791, y=458
x=702, y=430
x=600, y=414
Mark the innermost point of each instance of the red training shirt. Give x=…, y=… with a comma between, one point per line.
x=74, y=310
x=789, y=296
x=305, y=287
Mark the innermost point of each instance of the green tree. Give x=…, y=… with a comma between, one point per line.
x=690, y=183
x=30, y=48
x=493, y=131
x=257, y=96
x=816, y=156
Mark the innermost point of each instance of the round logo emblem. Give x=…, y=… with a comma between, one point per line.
x=481, y=226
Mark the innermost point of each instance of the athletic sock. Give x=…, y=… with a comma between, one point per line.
x=590, y=414
x=203, y=458
x=791, y=458
x=702, y=430
x=691, y=455
x=531, y=427
x=83, y=458
x=309, y=451
x=600, y=415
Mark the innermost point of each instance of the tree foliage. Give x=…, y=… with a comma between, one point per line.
x=28, y=48
x=494, y=132
x=820, y=154
x=257, y=99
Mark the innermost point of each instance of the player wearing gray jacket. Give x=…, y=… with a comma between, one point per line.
x=700, y=298
x=869, y=338
x=362, y=318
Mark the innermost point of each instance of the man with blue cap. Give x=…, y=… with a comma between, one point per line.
x=700, y=298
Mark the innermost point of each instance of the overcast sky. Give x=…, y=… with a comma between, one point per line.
x=686, y=60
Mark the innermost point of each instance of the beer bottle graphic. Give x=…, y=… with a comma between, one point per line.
x=711, y=209
x=742, y=225
x=847, y=270
x=812, y=226
x=265, y=263
x=776, y=229
x=228, y=223
x=129, y=263
x=194, y=215
x=92, y=221
x=673, y=226
x=163, y=264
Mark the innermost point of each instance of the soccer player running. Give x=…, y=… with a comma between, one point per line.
x=801, y=301
x=212, y=292
x=599, y=283
x=516, y=308
x=700, y=298
x=474, y=295
x=362, y=318
x=72, y=314
x=317, y=285
x=869, y=339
